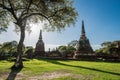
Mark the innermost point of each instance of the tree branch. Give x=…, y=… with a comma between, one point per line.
x=26, y=9
x=4, y=7
x=54, y=13
x=40, y=14
x=29, y=6
x=12, y=10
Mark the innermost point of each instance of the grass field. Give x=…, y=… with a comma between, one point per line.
x=62, y=69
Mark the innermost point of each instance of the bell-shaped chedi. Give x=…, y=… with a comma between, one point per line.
x=40, y=49
x=83, y=45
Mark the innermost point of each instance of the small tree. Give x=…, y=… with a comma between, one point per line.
x=9, y=48
x=104, y=44
x=58, y=13
x=66, y=50
x=73, y=43
x=29, y=52
x=109, y=47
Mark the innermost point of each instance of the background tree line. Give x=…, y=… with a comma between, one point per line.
x=8, y=50
x=110, y=48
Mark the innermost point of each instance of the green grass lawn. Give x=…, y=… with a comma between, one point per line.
x=88, y=70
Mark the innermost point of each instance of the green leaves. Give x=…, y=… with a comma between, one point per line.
x=66, y=49
x=58, y=13
x=109, y=47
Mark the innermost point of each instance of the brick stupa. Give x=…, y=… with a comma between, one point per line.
x=83, y=46
x=40, y=49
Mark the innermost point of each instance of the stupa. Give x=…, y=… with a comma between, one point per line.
x=40, y=49
x=83, y=46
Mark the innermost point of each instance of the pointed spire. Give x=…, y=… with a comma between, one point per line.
x=83, y=36
x=83, y=29
x=40, y=36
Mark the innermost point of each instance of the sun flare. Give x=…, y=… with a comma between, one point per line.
x=36, y=26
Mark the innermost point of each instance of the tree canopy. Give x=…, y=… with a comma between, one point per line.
x=110, y=47
x=8, y=48
x=73, y=43
x=57, y=14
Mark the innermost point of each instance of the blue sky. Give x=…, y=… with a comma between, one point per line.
x=101, y=19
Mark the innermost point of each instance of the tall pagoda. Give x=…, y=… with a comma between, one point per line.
x=40, y=49
x=83, y=45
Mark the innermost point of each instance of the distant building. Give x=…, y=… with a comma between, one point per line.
x=40, y=49
x=83, y=45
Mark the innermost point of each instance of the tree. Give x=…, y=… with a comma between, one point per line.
x=70, y=49
x=106, y=44
x=73, y=43
x=62, y=48
x=56, y=13
x=110, y=47
x=29, y=51
x=9, y=48
x=66, y=50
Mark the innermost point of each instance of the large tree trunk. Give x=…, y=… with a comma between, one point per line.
x=18, y=62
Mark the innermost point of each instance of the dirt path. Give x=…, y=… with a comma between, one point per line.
x=45, y=76
x=48, y=76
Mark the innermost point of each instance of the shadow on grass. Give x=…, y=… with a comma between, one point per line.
x=13, y=73
x=93, y=69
